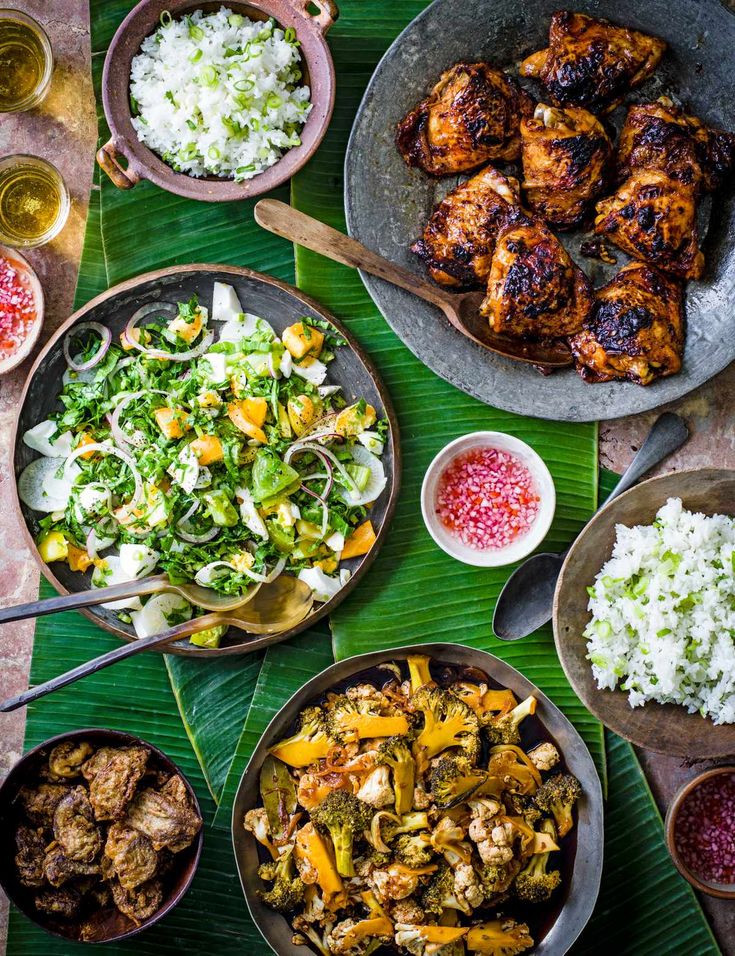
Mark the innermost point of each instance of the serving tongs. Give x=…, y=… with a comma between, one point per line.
x=462, y=309
x=266, y=609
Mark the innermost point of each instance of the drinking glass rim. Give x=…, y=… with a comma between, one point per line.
x=8, y=13
x=64, y=206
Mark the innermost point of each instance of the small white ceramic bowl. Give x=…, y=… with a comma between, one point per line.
x=521, y=546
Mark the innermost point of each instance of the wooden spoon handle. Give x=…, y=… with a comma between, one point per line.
x=289, y=223
x=105, y=660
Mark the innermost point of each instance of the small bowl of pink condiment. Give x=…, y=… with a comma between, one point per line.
x=700, y=832
x=488, y=499
x=21, y=309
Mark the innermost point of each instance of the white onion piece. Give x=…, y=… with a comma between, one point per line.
x=114, y=575
x=323, y=586
x=372, y=441
x=106, y=449
x=153, y=619
x=38, y=437
x=326, y=390
x=105, y=340
x=185, y=470
x=312, y=371
x=286, y=366
x=225, y=303
x=249, y=513
x=137, y=560
x=96, y=543
x=376, y=482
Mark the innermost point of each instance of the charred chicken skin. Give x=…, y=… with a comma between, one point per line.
x=592, y=63
x=635, y=329
x=565, y=154
x=471, y=116
x=459, y=238
x=654, y=218
x=661, y=136
x=535, y=290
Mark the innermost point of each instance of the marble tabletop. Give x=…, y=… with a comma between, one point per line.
x=64, y=130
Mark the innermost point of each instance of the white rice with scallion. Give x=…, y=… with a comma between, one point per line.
x=218, y=94
x=663, y=613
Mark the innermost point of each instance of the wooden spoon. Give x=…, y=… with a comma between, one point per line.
x=462, y=309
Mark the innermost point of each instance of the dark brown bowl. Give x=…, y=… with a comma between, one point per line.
x=281, y=304
x=555, y=926
x=720, y=890
x=663, y=728
x=143, y=163
x=118, y=926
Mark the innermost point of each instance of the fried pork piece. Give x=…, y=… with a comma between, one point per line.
x=133, y=857
x=459, y=238
x=166, y=820
x=58, y=868
x=139, y=904
x=91, y=767
x=592, y=63
x=66, y=759
x=535, y=290
x=74, y=826
x=654, y=218
x=471, y=117
x=565, y=154
x=635, y=330
x=662, y=136
x=64, y=902
x=31, y=846
x=113, y=780
x=40, y=803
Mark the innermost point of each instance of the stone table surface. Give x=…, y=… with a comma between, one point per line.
x=63, y=129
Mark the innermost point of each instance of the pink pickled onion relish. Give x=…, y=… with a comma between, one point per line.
x=17, y=308
x=487, y=498
x=705, y=829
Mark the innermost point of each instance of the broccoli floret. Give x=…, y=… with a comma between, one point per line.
x=448, y=722
x=396, y=753
x=349, y=721
x=288, y=888
x=557, y=796
x=409, y=822
x=418, y=669
x=440, y=894
x=413, y=849
x=521, y=805
x=535, y=884
x=496, y=878
x=454, y=779
x=505, y=728
x=499, y=937
x=310, y=743
x=343, y=817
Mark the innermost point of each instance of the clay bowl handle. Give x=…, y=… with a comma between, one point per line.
x=108, y=161
x=328, y=12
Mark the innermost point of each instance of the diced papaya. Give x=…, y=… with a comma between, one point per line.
x=442, y=935
x=255, y=409
x=366, y=929
x=53, y=546
x=239, y=419
x=360, y=541
x=208, y=449
x=302, y=340
x=137, y=335
x=372, y=725
x=172, y=422
x=86, y=439
x=301, y=413
x=311, y=847
x=187, y=331
x=78, y=558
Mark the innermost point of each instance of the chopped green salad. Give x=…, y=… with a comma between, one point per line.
x=214, y=452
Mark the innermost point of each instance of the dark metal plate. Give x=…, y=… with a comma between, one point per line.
x=388, y=204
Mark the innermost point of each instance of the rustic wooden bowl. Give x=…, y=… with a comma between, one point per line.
x=118, y=926
x=26, y=269
x=143, y=163
x=663, y=728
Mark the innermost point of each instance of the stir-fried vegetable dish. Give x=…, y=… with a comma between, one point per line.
x=408, y=814
x=216, y=452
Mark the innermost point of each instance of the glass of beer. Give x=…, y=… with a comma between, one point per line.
x=26, y=62
x=34, y=201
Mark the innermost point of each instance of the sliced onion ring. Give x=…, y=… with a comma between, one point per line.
x=118, y=453
x=190, y=536
x=164, y=307
x=122, y=439
x=105, y=341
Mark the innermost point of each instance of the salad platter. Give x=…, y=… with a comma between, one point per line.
x=226, y=420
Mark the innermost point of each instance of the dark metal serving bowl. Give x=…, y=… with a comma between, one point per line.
x=143, y=163
x=561, y=922
x=118, y=926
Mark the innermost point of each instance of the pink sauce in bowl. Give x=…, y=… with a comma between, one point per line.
x=704, y=829
x=488, y=499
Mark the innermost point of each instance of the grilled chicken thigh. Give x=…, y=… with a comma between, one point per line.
x=662, y=136
x=654, y=218
x=565, y=153
x=592, y=63
x=635, y=329
x=471, y=116
x=534, y=289
x=459, y=238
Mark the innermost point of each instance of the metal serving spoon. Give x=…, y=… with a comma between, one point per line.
x=526, y=601
x=272, y=609
x=462, y=309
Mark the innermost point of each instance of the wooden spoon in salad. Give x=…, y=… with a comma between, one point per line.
x=461, y=308
x=271, y=609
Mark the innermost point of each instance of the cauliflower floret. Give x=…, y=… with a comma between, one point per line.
x=256, y=822
x=483, y=814
x=545, y=756
x=376, y=789
x=314, y=909
x=307, y=871
x=368, y=698
x=407, y=911
x=393, y=883
x=467, y=886
x=494, y=840
x=335, y=939
x=421, y=799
